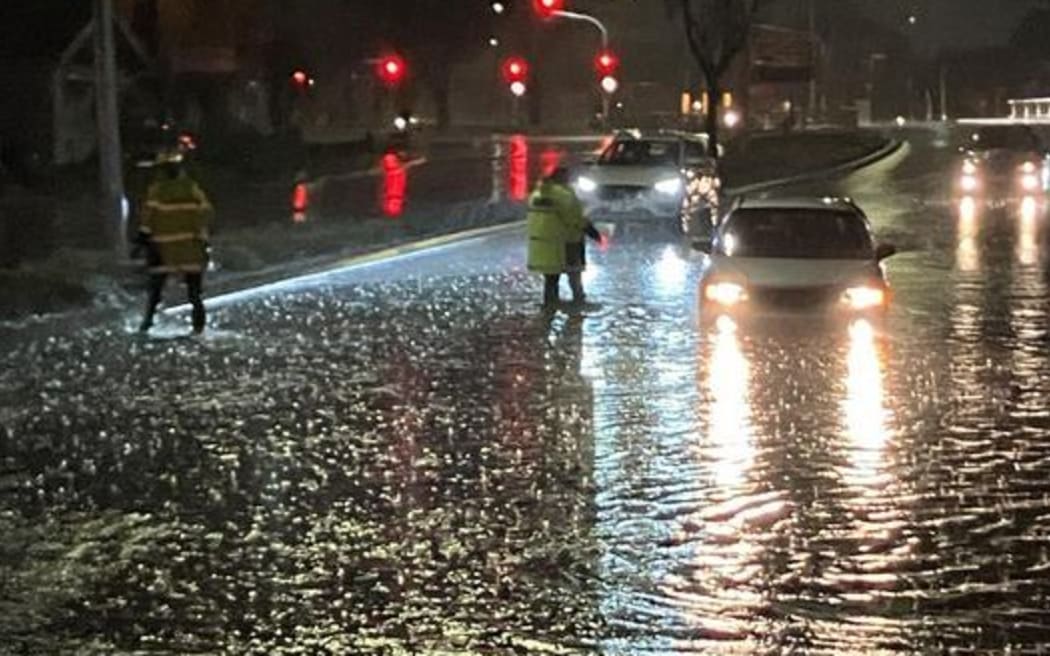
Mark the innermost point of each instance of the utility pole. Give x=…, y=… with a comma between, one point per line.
x=944, y=91
x=107, y=111
x=814, y=60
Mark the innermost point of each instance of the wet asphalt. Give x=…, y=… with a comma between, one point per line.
x=410, y=457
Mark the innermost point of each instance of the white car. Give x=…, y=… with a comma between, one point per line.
x=795, y=255
x=1003, y=162
x=666, y=178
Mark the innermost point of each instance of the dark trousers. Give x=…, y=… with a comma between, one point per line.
x=550, y=287
x=194, y=288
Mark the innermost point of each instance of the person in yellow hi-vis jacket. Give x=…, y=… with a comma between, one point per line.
x=176, y=220
x=556, y=228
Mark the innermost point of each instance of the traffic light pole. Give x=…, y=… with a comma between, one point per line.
x=111, y=174
x=572, y=15
x=586, y=18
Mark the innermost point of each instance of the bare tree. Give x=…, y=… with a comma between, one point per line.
x=717, y=31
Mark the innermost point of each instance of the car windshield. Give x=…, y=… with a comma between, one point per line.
x=797, y=233
x=641, y=153
x=1004, y=138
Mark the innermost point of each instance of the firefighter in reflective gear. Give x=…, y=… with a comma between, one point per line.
x=556, y=228
x=174, y=230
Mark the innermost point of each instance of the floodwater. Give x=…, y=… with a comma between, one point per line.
x=410, y=458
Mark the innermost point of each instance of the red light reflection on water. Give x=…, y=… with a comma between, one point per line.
x=300, y=197
x=395, y=185
x=518, y=168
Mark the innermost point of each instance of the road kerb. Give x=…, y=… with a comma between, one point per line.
x=888, y=150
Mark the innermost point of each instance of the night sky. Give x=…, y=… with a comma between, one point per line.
x=954, y=24
x=32, y=26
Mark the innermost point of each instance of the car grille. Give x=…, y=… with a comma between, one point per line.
x=795, y=297
x=622, y=192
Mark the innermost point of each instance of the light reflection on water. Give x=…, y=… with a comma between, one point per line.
x=1028, y=233
x=865, y=410
x=729, y=432
x=968, y=250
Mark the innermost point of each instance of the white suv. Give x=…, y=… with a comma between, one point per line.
x=795, y=255
x=665, y=178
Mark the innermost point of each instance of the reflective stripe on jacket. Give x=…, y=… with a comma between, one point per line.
x=555, y=219
x=176, y=220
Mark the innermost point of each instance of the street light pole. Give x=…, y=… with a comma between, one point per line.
x=815, y=60
x=944, y=91
x=572, y=15
x=587, y=18
x=111, y=174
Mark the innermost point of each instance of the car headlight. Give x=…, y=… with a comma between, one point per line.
x=586, y=185
x=864, y=297
x=968, y=182
x=725, y=293
x=670, y=187
x=969, y=167
x=1028, y=167
x=1029, y=181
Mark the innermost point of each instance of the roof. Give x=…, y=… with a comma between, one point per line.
x=798, y=203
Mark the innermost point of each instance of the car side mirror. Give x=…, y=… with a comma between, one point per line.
x=883, y=251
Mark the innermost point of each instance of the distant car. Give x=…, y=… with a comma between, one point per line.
x=666, y=178
x=1003, y=161
x=795, y=255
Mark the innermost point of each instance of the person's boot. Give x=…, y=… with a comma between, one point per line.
x=147, y=320
x=199, y=320
x=578, y=295
x=550, y=293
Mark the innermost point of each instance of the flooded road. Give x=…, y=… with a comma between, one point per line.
x=409, y=457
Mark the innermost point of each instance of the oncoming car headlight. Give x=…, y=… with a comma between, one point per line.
x=1030, y=182
x=669, y=187
x=725, y=293
x=969, y=167
x=586, y=185
x=968, y=182
x=864, y=297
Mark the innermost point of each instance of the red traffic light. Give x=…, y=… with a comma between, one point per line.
x=391, y=70
x=301, y=78
x=515, y=70
x=547, y=8
x=607, y=63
